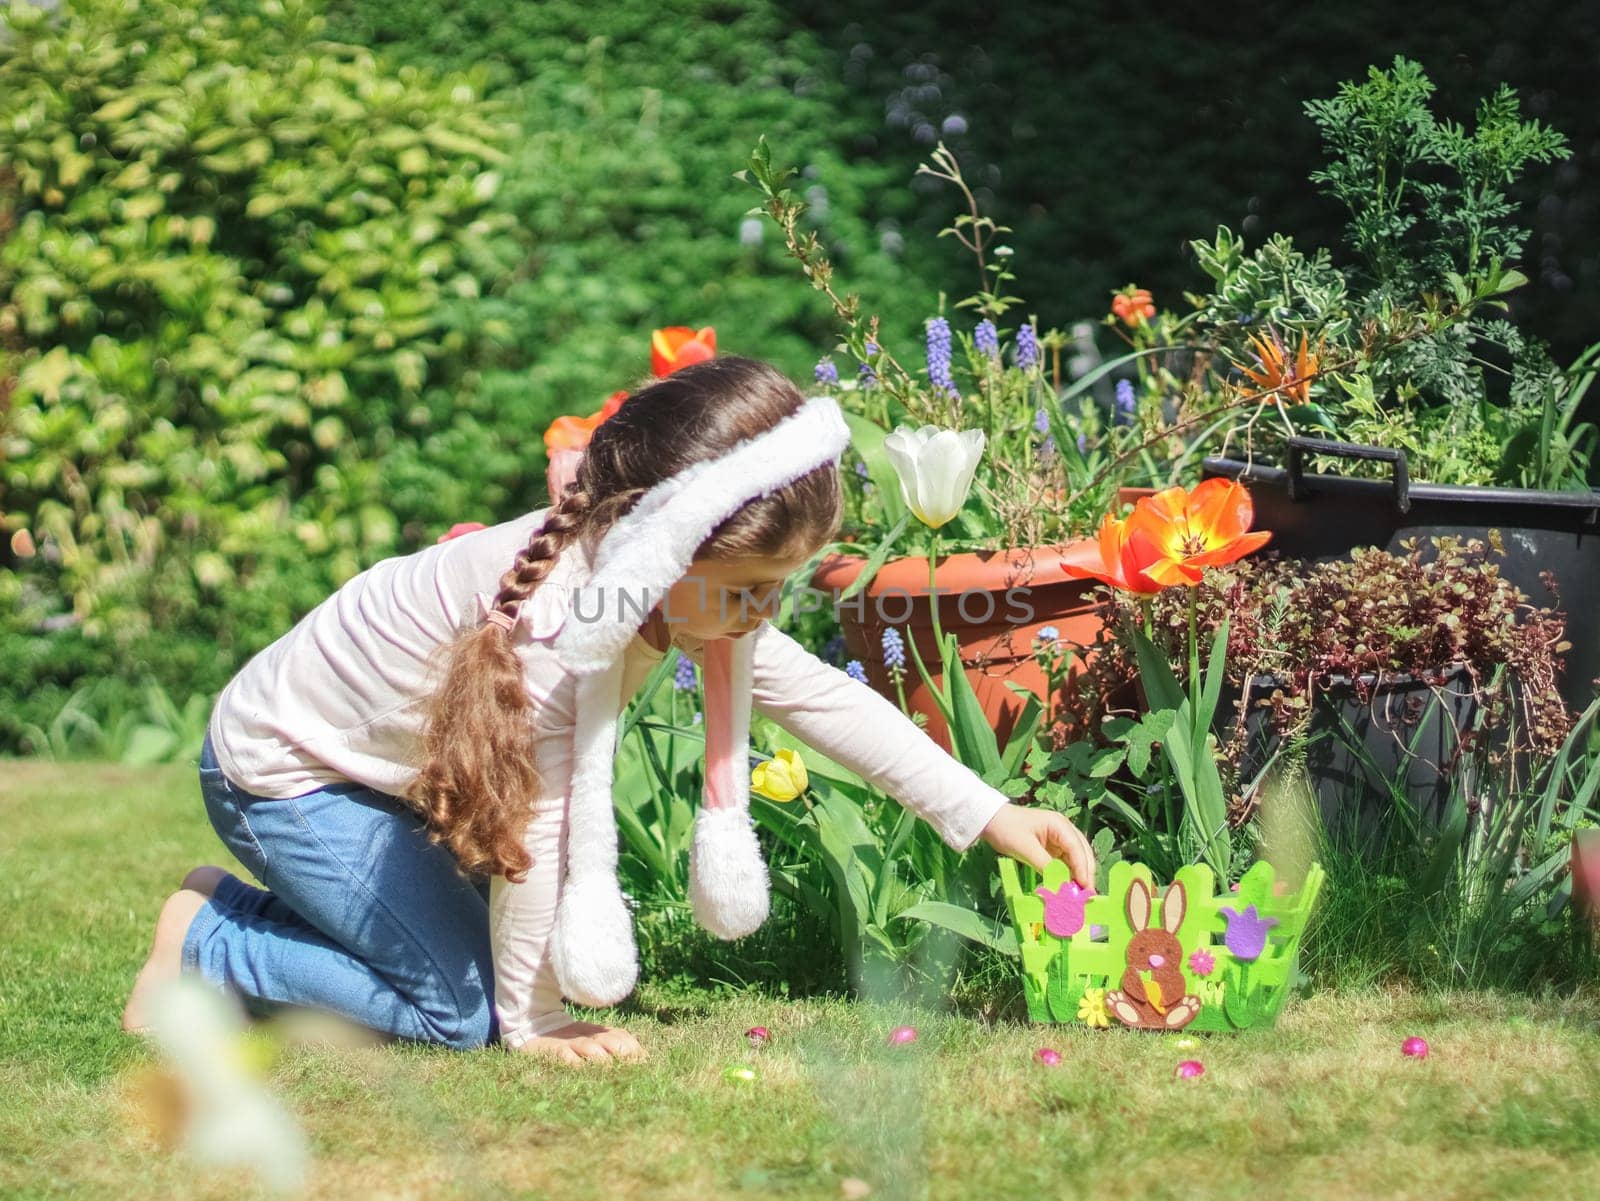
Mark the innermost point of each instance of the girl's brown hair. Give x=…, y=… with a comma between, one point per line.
x=478, y=773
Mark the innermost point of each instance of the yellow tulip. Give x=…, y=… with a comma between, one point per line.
x=781, y=778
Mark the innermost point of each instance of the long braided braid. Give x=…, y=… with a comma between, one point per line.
x=478, y=768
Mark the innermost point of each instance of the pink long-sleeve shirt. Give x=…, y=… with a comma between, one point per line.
x=339, y=698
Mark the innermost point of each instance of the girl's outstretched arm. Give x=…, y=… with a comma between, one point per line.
x=852, y=724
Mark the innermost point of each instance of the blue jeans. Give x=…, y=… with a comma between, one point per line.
x=362, y=915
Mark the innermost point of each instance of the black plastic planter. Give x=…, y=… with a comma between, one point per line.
x=1325, y=517
x=1404, y=736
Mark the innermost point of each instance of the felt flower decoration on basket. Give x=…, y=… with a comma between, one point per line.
x=1158, y=959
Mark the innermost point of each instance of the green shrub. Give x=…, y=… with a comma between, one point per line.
x=243, y=288
x=634, y=119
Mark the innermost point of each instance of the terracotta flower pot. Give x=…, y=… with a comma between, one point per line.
x=994, y=602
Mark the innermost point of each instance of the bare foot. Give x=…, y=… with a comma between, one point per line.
x=583, y=1042
x=166, y=957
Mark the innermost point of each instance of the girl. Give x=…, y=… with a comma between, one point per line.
x=438, y=846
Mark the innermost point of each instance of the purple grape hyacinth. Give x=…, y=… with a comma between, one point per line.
x=987, y=339
x=833, y=649
x=683, y=673
x=894, y=649
x=1027, y=347
x=1126, y=402
x=939, y=357
x=855, y=671
x=827, y=373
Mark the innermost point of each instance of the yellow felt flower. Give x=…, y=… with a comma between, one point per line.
x=781, y=778
x=1092, y=1008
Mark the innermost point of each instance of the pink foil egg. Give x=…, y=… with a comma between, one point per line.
x=901, y=1035
x=757, y=1035
x=1189, y=1069
x=1048, y=1056
x=1414, y=1048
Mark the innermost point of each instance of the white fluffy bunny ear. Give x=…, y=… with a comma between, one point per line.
x=592, y=944
x=728, y=885
x=642, y=555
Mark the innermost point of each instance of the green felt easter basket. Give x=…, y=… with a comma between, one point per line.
x=1107, y=959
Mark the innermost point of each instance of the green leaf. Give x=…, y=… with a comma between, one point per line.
x=1141, y=738
x=1311, y=417
x=966, y=923
x=1510, y=281
x=868, y=437
x=1211, y=687
x=1022, y=733
x=1161, y=687
x=879, y=556
x=1447, y=848
x=971, y=733
x=1106, y=763
x=150, y=744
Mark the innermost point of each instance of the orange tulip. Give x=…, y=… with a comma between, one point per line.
x=1171, y=538
x=573, y=433
x=678, y=346
x=1176, y=534
x=1133, y=305
x=1112, y=559
x=1278, y=372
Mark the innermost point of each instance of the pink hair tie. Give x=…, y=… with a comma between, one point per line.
x=494, y=616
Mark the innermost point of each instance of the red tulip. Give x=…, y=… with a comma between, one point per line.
x=573, y=433
x=678, y=346
x=1133, y=305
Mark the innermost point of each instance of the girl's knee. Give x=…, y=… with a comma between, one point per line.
x=470, y=1033
x=465, y=1027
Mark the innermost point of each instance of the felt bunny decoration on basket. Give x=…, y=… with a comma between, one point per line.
x=1154, y=994
x=643, y=554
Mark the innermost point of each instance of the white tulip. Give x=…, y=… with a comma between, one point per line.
x=935, y=467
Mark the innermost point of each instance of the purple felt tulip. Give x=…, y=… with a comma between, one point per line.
x=1063, y=908
x=1247, y=931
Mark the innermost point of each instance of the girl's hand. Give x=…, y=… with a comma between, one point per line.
x=582, y=1042
x=1037, y=836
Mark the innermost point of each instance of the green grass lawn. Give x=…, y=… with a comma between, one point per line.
x=1325, y=1106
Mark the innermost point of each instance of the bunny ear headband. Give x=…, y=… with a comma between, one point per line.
x=642, y=555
